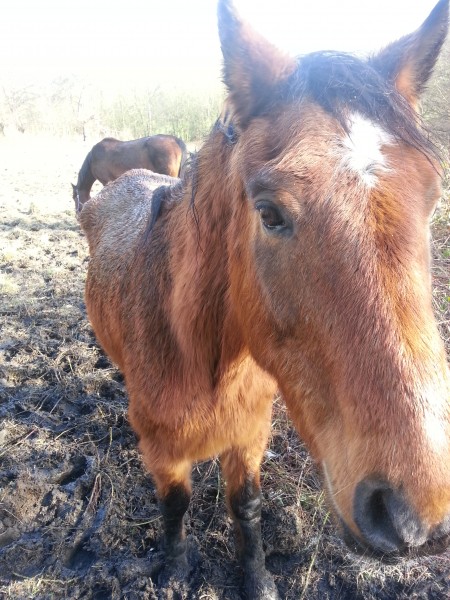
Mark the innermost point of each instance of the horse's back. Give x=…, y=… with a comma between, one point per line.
x=116, y=218
x=104, y=146
x=122, y=208
x=159, y=153
x=115, y=222
x=165, y=153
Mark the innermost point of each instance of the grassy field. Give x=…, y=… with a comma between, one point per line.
x=78, y=515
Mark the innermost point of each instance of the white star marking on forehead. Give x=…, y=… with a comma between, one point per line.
x=362, y=149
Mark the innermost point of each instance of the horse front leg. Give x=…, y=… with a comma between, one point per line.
x=241, y=471
x=174, y=505
x=173, y=484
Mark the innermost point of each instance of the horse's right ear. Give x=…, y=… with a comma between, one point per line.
x=408, y=63
x=252, y=66
x=74, y=187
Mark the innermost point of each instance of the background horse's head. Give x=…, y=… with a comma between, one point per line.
x=75, y=197
x=337, y=182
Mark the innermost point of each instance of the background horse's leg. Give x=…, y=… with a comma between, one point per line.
x=241, y=471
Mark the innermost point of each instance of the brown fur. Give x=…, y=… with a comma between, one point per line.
x=206, y=316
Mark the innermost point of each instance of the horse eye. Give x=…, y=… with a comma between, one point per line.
x=271, y=217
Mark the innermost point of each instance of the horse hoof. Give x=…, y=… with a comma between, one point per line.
x=174, y=570
x=260, y=586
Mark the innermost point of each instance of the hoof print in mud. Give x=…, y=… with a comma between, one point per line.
x=79, y=558
x=75, y=471
x=103, y=362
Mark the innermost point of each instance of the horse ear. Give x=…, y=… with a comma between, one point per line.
x=408, y=63
x=252, y=66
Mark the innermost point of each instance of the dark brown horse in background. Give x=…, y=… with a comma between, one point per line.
x=294, y=255
x=110, y=158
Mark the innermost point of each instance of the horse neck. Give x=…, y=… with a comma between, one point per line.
x=85, y=179
x=201, y=313
x=82, y=197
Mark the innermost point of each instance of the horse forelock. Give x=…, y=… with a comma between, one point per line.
x=369, y=111
x=345, y=85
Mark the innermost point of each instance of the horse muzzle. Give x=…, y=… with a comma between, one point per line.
x=389, y=529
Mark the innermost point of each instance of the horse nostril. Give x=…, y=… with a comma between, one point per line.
x=387, y=523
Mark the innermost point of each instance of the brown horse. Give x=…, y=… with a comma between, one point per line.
x=294, y=255
x=111, y=158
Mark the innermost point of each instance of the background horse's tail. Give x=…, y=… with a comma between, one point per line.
x=81, y=192
x=184, y=157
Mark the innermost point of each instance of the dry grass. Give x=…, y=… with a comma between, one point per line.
x=441, y=266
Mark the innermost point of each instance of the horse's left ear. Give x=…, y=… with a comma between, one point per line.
x=409, y=62
x=252, y=66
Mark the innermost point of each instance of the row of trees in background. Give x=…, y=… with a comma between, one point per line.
x=68, y=108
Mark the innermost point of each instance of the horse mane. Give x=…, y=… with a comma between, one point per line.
x=165, y=193
x=343, y=84
x=158, y=196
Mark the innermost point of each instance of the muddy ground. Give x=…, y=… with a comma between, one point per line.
x=78, y=515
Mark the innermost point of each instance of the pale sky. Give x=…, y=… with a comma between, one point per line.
x=140, y=43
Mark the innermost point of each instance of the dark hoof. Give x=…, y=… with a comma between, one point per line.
x=173, y=570
x=260, y=585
